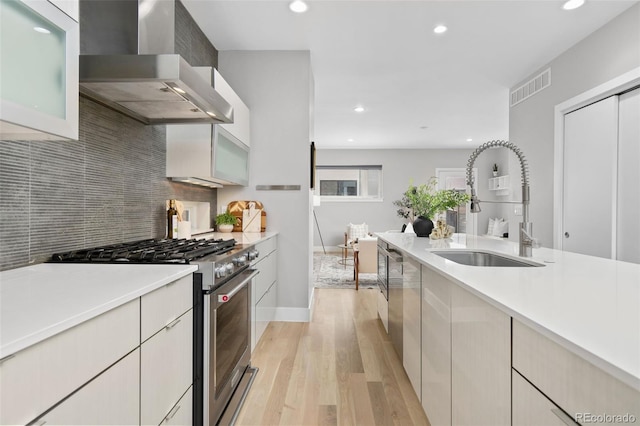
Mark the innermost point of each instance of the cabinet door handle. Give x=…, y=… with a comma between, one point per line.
x=566, y=235
x=171, y=413
x=172, y=323
x=564, y=417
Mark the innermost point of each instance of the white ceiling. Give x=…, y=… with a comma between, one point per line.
x=419, y=89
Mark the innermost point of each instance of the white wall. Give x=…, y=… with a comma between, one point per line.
x=277, y=86
x=607, y=53
x=398, y=168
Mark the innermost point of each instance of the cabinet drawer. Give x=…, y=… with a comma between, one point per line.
x=112, y=398
x=265, y=310
x=532, y=408
x=267, y=276
x=571, y=382
x=165, y=369
x=383, y=310
x=40, y=376
x=265, y=247
x=181, y=413
x=164, y=305
x=436, y=347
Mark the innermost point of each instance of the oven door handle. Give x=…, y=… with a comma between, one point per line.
x=392, y=254
x=225, y=297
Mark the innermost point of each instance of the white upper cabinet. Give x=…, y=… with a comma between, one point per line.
x=240, y=128
x=38, y=74
x=211, y=155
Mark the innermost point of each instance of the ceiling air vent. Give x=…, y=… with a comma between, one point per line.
x=531, y=87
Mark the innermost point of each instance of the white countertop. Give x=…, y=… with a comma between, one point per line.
x=240, y=237
x=589, y=305
x=39, y=301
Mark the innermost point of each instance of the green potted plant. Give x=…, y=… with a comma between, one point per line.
x=422, y=203
x=225, y=222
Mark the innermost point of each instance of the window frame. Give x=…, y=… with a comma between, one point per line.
x=379, y=197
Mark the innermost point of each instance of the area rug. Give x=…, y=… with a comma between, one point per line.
x=328, y=272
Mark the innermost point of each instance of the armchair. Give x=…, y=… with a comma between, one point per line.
x=351, y=236
x=365, y=250
x=365, y=257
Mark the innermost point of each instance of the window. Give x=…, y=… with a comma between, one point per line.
x=349, y=183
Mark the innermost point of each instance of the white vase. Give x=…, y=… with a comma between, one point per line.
x=225, y=228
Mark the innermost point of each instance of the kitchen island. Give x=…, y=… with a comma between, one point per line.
x=586, y=308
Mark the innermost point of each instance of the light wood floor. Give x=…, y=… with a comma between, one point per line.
x=339, y=369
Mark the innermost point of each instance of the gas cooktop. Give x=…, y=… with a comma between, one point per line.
x=159, y=251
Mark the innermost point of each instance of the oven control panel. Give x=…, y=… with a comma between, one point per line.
x=253, y=254
x=224, y=269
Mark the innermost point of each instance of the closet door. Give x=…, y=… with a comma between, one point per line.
x=589, y=187
x=628, y=224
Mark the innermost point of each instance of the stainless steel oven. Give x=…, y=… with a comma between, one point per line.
x=390, y=271
x=227, y=342
x=224, y=374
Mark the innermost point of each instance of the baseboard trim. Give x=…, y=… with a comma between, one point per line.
x=292, y=314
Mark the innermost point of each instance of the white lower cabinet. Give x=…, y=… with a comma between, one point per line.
x=383, y=310
x=436, y=347
x=166, y=358
x=40, y=376
x=112, y=398
x=265, y=310
x=411, y=324
x=480, y=361
x=578, y=387
x=181, y=414
x=162, y=306
x=531, y=408
x=264, y=289
x=98, y=372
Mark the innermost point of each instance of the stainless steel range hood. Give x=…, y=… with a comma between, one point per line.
x=128, y=63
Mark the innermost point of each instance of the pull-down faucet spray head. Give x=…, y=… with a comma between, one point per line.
x=524, y=234
x=475, y=202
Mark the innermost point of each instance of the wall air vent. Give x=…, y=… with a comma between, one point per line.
x=531, y=87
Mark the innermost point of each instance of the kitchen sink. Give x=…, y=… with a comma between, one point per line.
x=483, y=258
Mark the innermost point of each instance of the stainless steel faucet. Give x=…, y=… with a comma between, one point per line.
x=526, y=240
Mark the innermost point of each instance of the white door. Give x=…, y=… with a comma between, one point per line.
x=589, y=181
x=628, y=232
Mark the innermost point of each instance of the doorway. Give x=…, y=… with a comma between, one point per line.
x=596, y=179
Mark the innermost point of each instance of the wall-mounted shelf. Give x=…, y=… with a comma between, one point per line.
x=500, y=185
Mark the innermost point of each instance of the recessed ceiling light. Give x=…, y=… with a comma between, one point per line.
x=572, y=4
x=42, y=30
x=439, y=29
x=350, y=140
x=469, y=140
x=359, y=108
x=298, y=6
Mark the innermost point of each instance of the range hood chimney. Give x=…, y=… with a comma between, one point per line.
x=128, y=62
